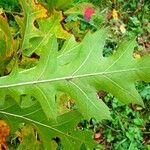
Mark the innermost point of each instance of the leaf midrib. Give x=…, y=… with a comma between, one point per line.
x=71, y=77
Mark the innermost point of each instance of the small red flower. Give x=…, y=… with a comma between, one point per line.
x=88, y=12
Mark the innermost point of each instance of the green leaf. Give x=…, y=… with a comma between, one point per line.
x=47, y=69
x=34, y=30
x=53, y=25
x=81, y=78
x=32, y=11
x=7, y=43
x=40, y=92
x=27, y=134
x=50, y=25
x=65, y=128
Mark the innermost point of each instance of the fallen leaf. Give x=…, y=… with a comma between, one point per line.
x=115, y=14
x=136, y=55
x=98, y=137
x=122, y=28
x=4, y=132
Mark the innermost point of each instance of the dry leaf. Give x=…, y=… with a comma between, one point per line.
x=115, y=14
x=98, y=137
x=4, y=132
x=136, y=55
x=122, y=28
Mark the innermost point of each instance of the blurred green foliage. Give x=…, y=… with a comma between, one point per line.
x=9, y=5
